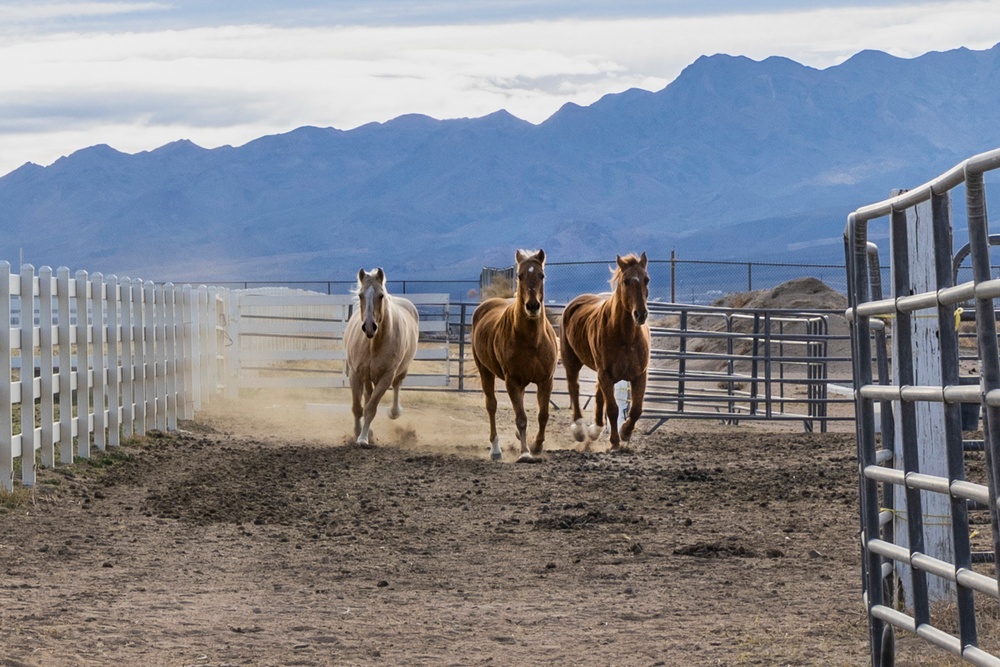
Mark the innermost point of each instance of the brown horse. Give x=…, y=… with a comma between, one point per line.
x=513, y=340
x=608, y=333
x=381, y=340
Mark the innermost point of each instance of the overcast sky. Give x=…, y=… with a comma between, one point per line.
x=137, y=75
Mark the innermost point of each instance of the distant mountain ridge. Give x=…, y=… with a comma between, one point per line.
x=735, y=159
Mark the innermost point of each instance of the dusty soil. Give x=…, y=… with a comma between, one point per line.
x=246, y=539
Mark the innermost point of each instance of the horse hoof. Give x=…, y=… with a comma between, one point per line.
x=594, y=431
x=394, y=413
x=496, y=456
x=528, y=457
x=578, y=430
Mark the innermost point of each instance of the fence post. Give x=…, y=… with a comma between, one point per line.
x=138, y=359
x=128, y=359
x=100, y=364
x=27, y=344
x=82, y=368
x=149, y=354
x=923, y=519
x=171, y=365
x=6, y=404
x=65, y=368
x=461, y=348
x=46, y=407
x=673, y=276
x=111, y=289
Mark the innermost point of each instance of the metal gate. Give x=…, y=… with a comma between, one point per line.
x=922, y=461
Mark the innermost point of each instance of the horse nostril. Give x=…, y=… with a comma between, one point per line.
x=640, y=316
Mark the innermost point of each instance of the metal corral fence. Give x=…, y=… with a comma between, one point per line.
x=707, y=363
x=923, y=482
x=725, y=364
x=98, y=360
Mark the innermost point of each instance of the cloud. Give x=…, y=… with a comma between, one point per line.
x=30, y=12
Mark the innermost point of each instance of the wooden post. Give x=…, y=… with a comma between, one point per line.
x=930, y=424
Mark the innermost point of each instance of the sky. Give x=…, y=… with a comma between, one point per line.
x=138, y=74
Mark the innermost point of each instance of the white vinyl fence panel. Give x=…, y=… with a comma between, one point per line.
x=293, y=339
x=90, y=360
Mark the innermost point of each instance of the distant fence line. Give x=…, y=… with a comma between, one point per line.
x=672, y=280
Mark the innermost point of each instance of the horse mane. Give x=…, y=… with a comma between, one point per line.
x=616, y=271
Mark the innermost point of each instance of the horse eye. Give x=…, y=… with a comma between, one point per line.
x=645, y=280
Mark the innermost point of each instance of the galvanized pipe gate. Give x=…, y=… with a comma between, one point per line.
x=920, y=462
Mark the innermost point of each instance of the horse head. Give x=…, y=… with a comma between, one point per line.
x=531, y=281
x=371, y=295
x=632, y=284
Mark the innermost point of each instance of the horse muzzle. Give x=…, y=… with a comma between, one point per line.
x=369, y=329
x=640, y=316
x=533, y=308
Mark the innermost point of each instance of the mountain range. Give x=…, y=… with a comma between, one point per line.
x=736, y=159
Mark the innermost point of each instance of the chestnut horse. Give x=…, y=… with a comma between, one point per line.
x=513, y=340
x=608, y=333
x=381, y=339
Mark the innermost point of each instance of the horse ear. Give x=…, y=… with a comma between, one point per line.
x=520, y=256
x=361, y=275
x=380, y=275
x=541, y=255
x=621, y=262
x=642, y=259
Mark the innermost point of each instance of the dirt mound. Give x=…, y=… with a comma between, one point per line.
x=797, y=294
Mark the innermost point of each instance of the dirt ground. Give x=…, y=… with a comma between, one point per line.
x=248, y=539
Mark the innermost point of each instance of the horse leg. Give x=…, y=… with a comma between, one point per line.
x=635, y=406
x=572, y=364
x=520, y=418
x=595, y=430
x=397, y=408
x=544, y=392
x=488, y=382
x=607, y=389
x=371, y=407
x=357, y=390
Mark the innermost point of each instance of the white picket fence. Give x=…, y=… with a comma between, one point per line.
x=97, y=360
x=91, y=360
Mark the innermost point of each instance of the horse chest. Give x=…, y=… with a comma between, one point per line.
x=625, y=358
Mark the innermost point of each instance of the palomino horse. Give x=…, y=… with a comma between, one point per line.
x=608, y=333
x=381, y=339
x=513, y=340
